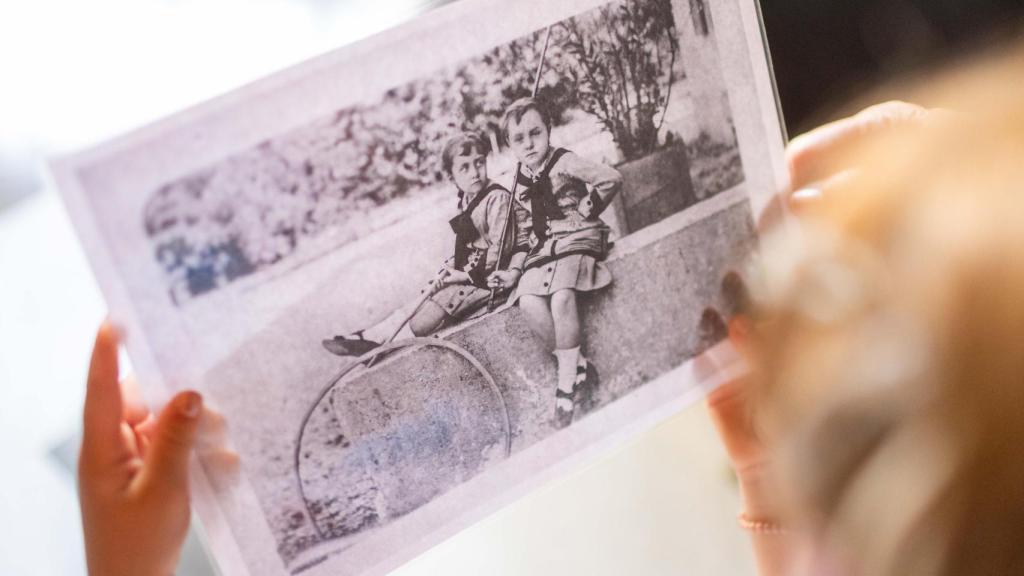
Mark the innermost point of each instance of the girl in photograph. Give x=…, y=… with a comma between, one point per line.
x=565, y=195
x=464, y=283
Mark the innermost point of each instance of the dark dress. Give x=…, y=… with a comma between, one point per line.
x=477, y=238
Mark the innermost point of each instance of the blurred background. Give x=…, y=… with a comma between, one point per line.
x=75, y=73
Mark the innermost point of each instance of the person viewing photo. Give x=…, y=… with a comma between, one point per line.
x=465, y=282
x=565, y=195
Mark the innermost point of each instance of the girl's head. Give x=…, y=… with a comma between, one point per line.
x=527, y=127
x=890, y=347
x=464, y=160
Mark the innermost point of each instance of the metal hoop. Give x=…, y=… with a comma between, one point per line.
x=369, y=357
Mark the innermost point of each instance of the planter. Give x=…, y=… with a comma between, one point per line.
x=654, y=188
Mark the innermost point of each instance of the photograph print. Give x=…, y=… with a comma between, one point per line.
x=392, y=300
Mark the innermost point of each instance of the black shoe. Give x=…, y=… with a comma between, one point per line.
x=345, y=346
x=564, y=409
x=586, y=387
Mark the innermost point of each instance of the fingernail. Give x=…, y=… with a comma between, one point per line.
x=114, y=328
x=804, y=196
x=190, y=404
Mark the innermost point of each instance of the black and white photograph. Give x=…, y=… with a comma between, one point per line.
x=417, y=275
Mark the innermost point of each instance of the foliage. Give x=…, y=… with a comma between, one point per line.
x=622, y=66
x=259, y=206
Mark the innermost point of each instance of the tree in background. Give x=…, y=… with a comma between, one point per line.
x=622, y=62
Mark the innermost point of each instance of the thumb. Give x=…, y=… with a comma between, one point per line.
x=173, y=438
x=811, y=195
x=730, y=410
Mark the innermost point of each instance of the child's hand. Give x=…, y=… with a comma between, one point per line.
x=503, y=279
x=133, y=472
x=440, y=280
x=586, y=208
x=456, y=276
x=437, y=283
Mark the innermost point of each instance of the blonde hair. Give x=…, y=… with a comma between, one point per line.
x=891, y=343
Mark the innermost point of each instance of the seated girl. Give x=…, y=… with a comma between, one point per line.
x=565, y=195
x=463, y=285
